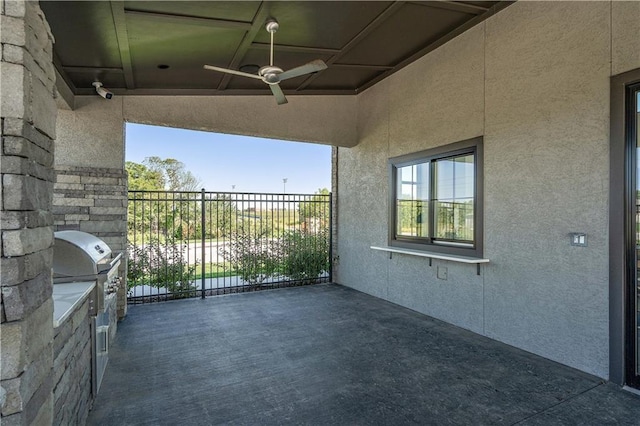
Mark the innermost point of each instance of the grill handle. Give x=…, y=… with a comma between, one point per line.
x=115, y=260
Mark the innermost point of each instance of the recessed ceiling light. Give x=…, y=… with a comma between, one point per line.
x=163, y=66
x=250, y=68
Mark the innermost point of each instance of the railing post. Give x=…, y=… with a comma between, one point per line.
x=202, y=241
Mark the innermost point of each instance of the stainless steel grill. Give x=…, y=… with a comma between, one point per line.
x=77, y=257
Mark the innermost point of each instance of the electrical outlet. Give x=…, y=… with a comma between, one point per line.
x=442, y=273
x=578, y=239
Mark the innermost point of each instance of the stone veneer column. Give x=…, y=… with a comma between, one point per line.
x=28, y=113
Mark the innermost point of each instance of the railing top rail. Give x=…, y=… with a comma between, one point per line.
x=276, y=194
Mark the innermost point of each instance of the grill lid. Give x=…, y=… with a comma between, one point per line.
x=79, y=253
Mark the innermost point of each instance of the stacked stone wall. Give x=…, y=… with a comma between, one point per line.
x=94, y=200
x=72, y=369
x=28, y=121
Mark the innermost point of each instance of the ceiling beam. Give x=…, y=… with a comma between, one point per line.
x=214, y=92
x=382, y=17
x=362, y=67
x=93, y=70
x=390, y=10
x=57, y=63
x=295, y=49
x=454, y=6
x=449, y=36
x=120, y=24
x=258, y=23
x=188, y=20
x=63, y=83
x=65, y=99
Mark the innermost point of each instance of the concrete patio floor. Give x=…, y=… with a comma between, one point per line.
x=329, y=355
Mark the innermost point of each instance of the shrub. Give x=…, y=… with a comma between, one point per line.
x=251, y=254
x=161, y=264
x=305, y=255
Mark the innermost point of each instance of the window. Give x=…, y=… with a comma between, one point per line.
x=436, y=199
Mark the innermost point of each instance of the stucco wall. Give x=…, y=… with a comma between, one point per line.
x=546, y=155
x=625, y=36
x=534, y=81
x=320, y=119
x=92, y=134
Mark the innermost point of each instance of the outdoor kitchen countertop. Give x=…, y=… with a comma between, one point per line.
x=67, y=297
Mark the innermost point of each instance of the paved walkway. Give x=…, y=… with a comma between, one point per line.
x=328, y=355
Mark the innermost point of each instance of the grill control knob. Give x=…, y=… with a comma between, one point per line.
x=112, y=287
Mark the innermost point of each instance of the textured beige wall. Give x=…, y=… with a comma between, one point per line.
x=361, y=177
x=321, y=119
x=546, y=175
x=433, y=102
x=534, y=80
x=625, y=36
x=92, y=135
x=445, y=87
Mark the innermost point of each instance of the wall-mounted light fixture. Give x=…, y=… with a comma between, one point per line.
x=102, y=91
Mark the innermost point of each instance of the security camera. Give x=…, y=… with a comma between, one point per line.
x=102, y=91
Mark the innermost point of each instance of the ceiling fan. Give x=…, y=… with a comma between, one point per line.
x=273, y=75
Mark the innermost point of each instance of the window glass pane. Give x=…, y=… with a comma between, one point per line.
x=406, y=173
x=412, y=200
x=422, y=183
x=444, y=179
x=454, y=205
x=464, y=177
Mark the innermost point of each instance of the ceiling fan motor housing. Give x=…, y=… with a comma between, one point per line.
x=270, y=74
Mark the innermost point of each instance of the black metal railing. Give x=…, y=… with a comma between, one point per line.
x=453, y=221
x=188, y=244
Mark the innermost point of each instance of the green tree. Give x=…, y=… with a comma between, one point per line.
x=156, y=214
x=221, y=216
x=141, y=178
x=142, y=215
x=315, y=207
x=174, y=174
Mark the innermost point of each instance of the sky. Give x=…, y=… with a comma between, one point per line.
x=220, y=161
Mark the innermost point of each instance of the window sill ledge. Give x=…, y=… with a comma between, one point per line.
x=432, y=255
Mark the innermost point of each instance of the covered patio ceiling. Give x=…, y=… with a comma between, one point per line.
x=160, y=47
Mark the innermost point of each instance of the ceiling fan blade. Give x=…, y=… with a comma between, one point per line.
x=308, y=68
x=234, y=72
x=277, y=92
